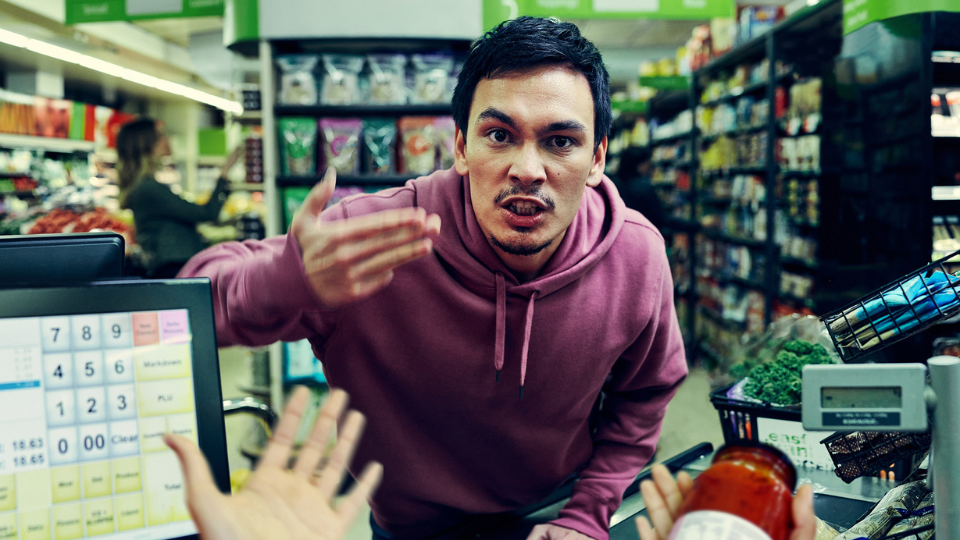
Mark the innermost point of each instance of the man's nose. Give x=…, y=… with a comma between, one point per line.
x=528, y=165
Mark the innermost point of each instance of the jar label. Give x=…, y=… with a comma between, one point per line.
x=711, y=525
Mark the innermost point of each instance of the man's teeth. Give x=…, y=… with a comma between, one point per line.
x=524, y=208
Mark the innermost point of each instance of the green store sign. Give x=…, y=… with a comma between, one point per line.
x=496, y=11
x=84, y=11
x=859, y=13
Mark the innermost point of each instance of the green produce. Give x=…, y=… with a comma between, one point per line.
x=781, y=381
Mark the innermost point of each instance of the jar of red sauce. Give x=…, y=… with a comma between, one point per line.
x=746, y=493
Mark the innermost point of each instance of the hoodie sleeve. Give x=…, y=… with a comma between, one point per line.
x=260, y=291
x=641, y=384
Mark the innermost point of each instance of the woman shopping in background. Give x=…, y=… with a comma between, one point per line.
x=166, y=225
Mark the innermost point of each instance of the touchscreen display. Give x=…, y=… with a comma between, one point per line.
x=84, y=403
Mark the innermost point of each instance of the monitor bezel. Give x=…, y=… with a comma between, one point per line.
x=148, y=295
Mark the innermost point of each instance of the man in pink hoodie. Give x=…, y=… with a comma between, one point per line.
x=531, y=340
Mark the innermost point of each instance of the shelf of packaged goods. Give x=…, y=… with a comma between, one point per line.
x=712, y=314
x=736, y=170
x=746, y=283
x=733, y=133
x=246, y=187
x=249, y=117
x=66, y=146
x=737, y=93
x=673, y=138
x=344, y=180
x=799, y=263
x=682, y=225
x=673, y=163
x=433, y=109
x=797, y=301
x=811, y=174
x=721, y=237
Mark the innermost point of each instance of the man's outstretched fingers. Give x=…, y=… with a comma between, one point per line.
x=316, y=444
x=360, y=493
x=342, y=454
x=657, y=509
x=278, y=450
x=196, y=471
x=667, y=487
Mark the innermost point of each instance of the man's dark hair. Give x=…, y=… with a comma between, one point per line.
x=527, y=43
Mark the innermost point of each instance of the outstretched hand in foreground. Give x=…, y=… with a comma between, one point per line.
x=664, y=497
x=280, y=502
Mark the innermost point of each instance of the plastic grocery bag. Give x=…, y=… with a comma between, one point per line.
x=768, y=367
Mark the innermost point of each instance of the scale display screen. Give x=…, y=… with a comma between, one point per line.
x=863, y=397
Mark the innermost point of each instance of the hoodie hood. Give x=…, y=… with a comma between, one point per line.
x=467, y=253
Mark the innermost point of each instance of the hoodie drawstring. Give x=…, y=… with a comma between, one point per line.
x=501, y=331
x=526, y=341
x=501, y=336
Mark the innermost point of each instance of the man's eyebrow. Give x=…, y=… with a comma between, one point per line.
x=565, y=125
x=495, y=114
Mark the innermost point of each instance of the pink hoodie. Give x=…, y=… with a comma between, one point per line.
x=439, y=359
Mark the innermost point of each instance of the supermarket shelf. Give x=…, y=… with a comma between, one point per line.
x=816, y=173
x=673, y=138
x=19, y=193
x=246, y=187
x=716, y=200
x=345, y=180
x=735, y=170
x=737, y=93
x=682, y=164
x=719, y=236
x=249, y=117
x=744, y=283
x=793, y=261
x=46, y=143
x=720, y=319
x=365, y=110
x=682, y=225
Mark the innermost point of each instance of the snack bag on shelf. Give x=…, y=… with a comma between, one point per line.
x=446, y=139
x=341, y=144
x=298, y=83
x=386, y=79
x=341, y=78
x=431, y=77
x=418, y=148
x=298, y=137
x=379, y=141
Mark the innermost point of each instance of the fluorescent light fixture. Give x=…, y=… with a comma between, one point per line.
x=109, y=68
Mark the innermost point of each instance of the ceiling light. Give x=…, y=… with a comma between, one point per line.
x=73, y=57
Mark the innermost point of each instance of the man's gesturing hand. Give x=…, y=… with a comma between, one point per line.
x=350, y=259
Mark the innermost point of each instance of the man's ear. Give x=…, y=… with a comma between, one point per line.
x=599, y=164
x=460, y=153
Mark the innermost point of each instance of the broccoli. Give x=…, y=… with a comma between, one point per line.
x=781, y=381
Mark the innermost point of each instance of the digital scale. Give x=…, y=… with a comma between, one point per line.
x=896, y=397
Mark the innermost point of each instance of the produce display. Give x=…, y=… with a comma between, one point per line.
x=781, y=381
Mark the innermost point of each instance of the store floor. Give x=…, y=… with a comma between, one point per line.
x=690, y=420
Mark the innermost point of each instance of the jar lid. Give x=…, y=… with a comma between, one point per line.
x=773, y=450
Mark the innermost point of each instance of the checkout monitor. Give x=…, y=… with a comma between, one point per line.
x=91, y=377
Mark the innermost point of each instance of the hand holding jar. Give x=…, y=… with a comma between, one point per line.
x=750, y=485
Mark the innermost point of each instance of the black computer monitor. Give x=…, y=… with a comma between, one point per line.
x=46, y=259
x=91, y=377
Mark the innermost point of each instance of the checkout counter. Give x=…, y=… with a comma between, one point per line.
x=837, y=503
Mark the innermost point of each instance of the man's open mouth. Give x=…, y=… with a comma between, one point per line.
x=524, y=208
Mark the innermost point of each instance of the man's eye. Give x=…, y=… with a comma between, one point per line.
x=562, y=142
x=498, y=135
